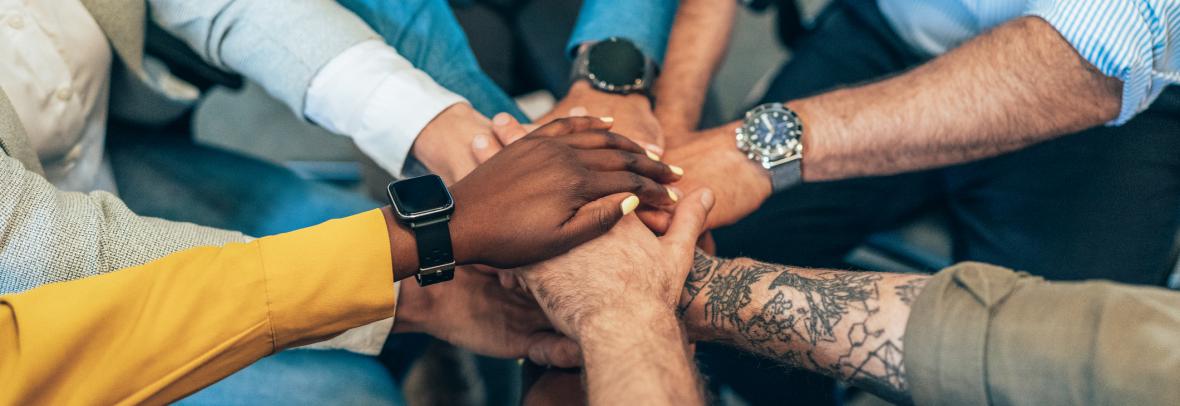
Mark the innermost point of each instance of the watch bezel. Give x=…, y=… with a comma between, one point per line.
x=776, y=155
x=400, y=212
x=640, y=84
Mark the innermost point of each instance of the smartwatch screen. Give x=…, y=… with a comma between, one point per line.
x=616, y=62
x=420, y=195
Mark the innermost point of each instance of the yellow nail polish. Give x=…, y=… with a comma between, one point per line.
x=629, y=204
x=652, y=155
x=676, y=169
x=672, y=194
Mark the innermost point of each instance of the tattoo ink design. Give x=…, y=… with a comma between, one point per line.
x=887, y=357
x=909, y=290
x=731, y=292
x=830, y=297
x=703, y=267
x=773, y=325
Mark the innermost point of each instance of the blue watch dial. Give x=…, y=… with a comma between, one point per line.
x=769, y=130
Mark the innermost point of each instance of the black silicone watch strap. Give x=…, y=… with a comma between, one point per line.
x=436, y=260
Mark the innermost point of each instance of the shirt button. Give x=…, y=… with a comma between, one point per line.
x=16, y=22
x=64, y=94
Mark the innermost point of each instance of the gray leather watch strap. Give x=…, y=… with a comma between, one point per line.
x=786, y=176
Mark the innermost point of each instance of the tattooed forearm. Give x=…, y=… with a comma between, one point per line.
x=848, y=325
x=909, y=290
x=703, y=268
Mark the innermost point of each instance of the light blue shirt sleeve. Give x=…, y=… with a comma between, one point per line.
x=644, y=22
x=1136, y=41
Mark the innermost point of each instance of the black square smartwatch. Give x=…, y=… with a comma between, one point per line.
x=425, y=205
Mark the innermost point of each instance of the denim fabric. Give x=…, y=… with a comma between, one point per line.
x=304, y=377
x=646, y=23
x=426, y=33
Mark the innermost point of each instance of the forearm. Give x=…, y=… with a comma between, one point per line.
x=696, y=45
x=848, y=325
x=640, y=357
x=167, y=328
x=1015, y=86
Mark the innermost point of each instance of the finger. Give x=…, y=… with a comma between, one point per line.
x=611, y=160
x=597, y=217
x=572, y=125
x=649, y=192
x=507, y=129
x=602, y=139
x=484, y=147
x=656, y=220
x=688, y=222
x=546, y=348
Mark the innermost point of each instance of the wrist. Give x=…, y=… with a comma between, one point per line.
x=629, y=328
x=444, y=144
x=403, y=248
x=750, y=172
x=621, y=319
x=582, y=87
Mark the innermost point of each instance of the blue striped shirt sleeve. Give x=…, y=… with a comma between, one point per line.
x=1136, y=41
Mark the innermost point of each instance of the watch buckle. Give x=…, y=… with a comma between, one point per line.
x=435, y=274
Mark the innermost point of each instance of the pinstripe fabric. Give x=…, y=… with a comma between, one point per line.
x=1137, y=41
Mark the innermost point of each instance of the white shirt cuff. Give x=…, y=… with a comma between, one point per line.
x=376, y=97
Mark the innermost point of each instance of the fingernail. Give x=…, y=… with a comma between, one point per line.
x=652, y=155
x=707, y=199
x=578, y=112
x=520, y=361
x=481, y=142
x=672, y=194
x=502, y=119
x=677, y=170
x=629, y=204
x=607, y=119
x=655, y=148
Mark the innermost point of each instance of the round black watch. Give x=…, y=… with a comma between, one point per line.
x=425, y=205
x=615, y=65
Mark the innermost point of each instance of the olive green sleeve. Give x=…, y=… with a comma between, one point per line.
x=980, y=334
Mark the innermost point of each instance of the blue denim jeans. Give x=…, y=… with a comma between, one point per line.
x=175, y=179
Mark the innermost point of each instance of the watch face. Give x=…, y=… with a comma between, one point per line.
x=616, y=62
x=770, y=131
x=420, y=196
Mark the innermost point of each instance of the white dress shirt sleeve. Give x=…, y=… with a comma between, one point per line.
x=376, y=97
x=1135, y=41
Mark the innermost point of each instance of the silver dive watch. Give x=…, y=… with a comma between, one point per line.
x=772, y=136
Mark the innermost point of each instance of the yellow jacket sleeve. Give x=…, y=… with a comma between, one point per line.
x=157, y=332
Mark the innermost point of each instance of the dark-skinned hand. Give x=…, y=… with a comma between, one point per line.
x=563, y=184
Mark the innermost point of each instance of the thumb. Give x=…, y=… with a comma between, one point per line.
x=598, y=217
x=484, y=146
x=546, y=348
x=507, y=129
x=688, y=222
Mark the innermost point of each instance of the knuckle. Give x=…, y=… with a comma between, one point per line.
x=637, y=182
x=630, y=161
x=604, y=221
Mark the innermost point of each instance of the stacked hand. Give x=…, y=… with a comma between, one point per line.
x=566, y=183
x=629, y=269
x=472, y=311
